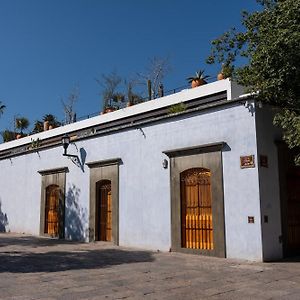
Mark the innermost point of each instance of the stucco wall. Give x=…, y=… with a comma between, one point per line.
x=144, y=185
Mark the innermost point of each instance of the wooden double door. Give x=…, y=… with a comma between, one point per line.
x=52, y=211
x=196, y=209
x=103, y=211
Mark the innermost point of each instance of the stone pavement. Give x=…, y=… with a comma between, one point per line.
x=40, y=268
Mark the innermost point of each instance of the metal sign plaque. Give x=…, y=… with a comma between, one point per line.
x=247, y=161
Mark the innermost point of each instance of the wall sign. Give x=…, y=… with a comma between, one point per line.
x=251, y=219
x=247, y=161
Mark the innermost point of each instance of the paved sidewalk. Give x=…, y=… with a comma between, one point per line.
x=40, y=268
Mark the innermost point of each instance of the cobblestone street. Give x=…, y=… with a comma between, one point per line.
x=40, y=268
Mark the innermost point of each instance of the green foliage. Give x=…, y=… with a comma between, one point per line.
x=290, y=122
x=52, y=120
x=198, y=76
x=270, y=43
x=22, y=123
x=8, y=135
x=38, y=127
x=35, y=143
x=176, y=108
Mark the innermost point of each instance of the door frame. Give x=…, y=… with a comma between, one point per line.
x=208, y=157
x=101, y=170
x=53, y=177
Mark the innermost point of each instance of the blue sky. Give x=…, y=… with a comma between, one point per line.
x=50, y=46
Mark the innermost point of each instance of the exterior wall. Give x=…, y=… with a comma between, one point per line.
x=144, y=185
x=241, y=190
x=269, y=187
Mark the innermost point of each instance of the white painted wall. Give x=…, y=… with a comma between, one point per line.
x=144, y=186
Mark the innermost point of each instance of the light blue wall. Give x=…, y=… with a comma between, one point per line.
x=144, y=186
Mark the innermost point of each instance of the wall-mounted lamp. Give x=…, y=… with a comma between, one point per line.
x=65, y=140
x=165, y=164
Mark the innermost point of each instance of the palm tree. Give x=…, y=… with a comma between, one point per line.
x=52, y=120
x=8, y=135
x=37, y=127
x=21, y=124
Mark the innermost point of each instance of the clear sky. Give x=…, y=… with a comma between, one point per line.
x=49, y=46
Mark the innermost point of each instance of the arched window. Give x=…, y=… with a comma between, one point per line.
x=103, y=211
x=52, y=210
x=196, y=209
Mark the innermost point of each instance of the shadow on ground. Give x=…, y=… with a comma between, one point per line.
x=31, y=241
x=56, y=261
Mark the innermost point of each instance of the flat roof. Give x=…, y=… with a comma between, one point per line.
x=226, y=85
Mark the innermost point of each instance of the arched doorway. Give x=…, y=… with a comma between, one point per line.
x=196, y=209
x=52, y=210
x=103, y=211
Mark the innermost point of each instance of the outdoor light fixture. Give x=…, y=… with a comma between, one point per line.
x=65, y=140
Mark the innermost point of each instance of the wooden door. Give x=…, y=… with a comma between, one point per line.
x=52, y=210
x=196, y=209
x=104, y=211
x=293, y=211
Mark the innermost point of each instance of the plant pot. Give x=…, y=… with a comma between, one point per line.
x=108, y=109
x=18, y=136
x=197, y=82
x=51, y=127
x=46, y=125
x=220, y=76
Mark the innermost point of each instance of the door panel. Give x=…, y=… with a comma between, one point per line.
x=196, y=209
x=104, y=211
x=52, y=210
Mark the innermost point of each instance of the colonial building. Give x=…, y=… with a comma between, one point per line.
x=208, y=176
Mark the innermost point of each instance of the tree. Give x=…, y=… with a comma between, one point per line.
x=155, y=72
x=21, y=124
x=111, y=85
x=70, y=115
x=132, y=96
x=270, y=42
x=37, y=127
x=52, y=120
x=8, y=135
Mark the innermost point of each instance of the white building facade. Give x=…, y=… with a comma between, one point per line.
x=203, y=180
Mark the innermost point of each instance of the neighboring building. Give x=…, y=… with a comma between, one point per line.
x=214, y=179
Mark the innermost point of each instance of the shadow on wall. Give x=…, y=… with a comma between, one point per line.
x=3, y=219
x=75, y=216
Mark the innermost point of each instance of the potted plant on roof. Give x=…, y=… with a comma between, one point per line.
x=50, y=122
x=198, y=80
x=21, y=124
x=225, y=72
x=37, y=127
x=8, y=135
